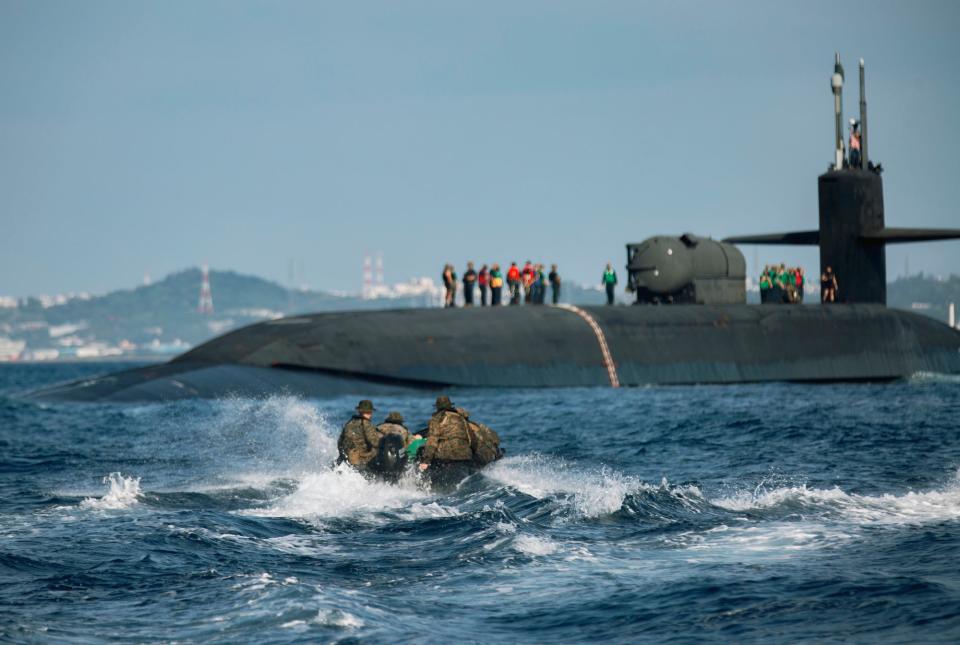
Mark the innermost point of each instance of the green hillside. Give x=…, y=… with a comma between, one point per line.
x=167, y=310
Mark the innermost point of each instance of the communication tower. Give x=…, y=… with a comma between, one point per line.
x=367, y=276
x=372, y=275
x=206, y=296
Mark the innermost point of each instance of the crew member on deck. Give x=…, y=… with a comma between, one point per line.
x=855, y=159
x=513, y=282
x=766, y=285
x=610, y=283
x=554, y=283
x=483, y=280
x=527, y=276
x=496, y=285
x=828, y=286
x=469, y=281
x=449, y=286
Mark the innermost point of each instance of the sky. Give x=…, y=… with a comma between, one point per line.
x=289, y=139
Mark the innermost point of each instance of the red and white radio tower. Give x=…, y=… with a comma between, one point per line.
x=367, y=277
x=206, y=296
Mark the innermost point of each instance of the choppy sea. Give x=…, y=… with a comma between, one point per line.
x=666, y=514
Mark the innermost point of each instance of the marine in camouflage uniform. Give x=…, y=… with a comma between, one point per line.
x=453, y=438
x=448, y=438
x=393, y=424
x=359, y=439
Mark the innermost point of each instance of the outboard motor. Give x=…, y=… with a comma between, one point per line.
x=391, y=458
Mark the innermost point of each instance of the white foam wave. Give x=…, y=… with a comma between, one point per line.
x=258, y=582
x=205, y=533
x=431, y=510
x=342, y=491
x=933, y=377
x=821, y=518
x=300, y=544
x=769, y=498
x=338, y=618
x=778, y=540
x=589, y=493
x=909, y=508
x=122, y=493
x=536, y=546
x=327, y=618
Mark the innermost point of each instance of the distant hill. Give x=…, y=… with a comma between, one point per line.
x=925, y=294
x=165, y=313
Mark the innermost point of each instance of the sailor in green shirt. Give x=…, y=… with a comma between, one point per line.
x=414, y=447
x=496, y=285
x=610, y=282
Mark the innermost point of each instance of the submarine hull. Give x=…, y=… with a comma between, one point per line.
x=378, y=352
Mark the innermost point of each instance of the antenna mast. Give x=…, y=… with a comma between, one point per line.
x=836, y=84
x=864, y=159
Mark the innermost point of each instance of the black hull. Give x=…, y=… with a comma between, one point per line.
x=369, y=353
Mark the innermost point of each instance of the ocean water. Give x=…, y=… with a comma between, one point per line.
x=666, y=514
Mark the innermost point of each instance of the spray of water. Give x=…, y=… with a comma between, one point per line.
x=122, y=493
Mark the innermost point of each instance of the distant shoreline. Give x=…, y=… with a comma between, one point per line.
x=93, y=359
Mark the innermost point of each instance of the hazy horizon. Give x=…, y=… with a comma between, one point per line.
x=152, y=137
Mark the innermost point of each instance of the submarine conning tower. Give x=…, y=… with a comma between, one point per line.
x=852, y=235
x=851, y=208
x=851, y=214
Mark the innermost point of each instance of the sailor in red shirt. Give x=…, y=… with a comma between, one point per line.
x=513, y=281
x=483, y=279
x=528, y=274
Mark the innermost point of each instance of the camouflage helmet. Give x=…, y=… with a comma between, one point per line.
x=365, y=405
x=394, y=417
x=443, y=403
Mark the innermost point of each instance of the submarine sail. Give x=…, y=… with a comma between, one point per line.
x=852, y=233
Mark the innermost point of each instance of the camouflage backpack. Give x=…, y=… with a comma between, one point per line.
x=484, y=443
x=450, y=431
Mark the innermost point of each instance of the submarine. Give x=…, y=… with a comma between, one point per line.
x=690, y=324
